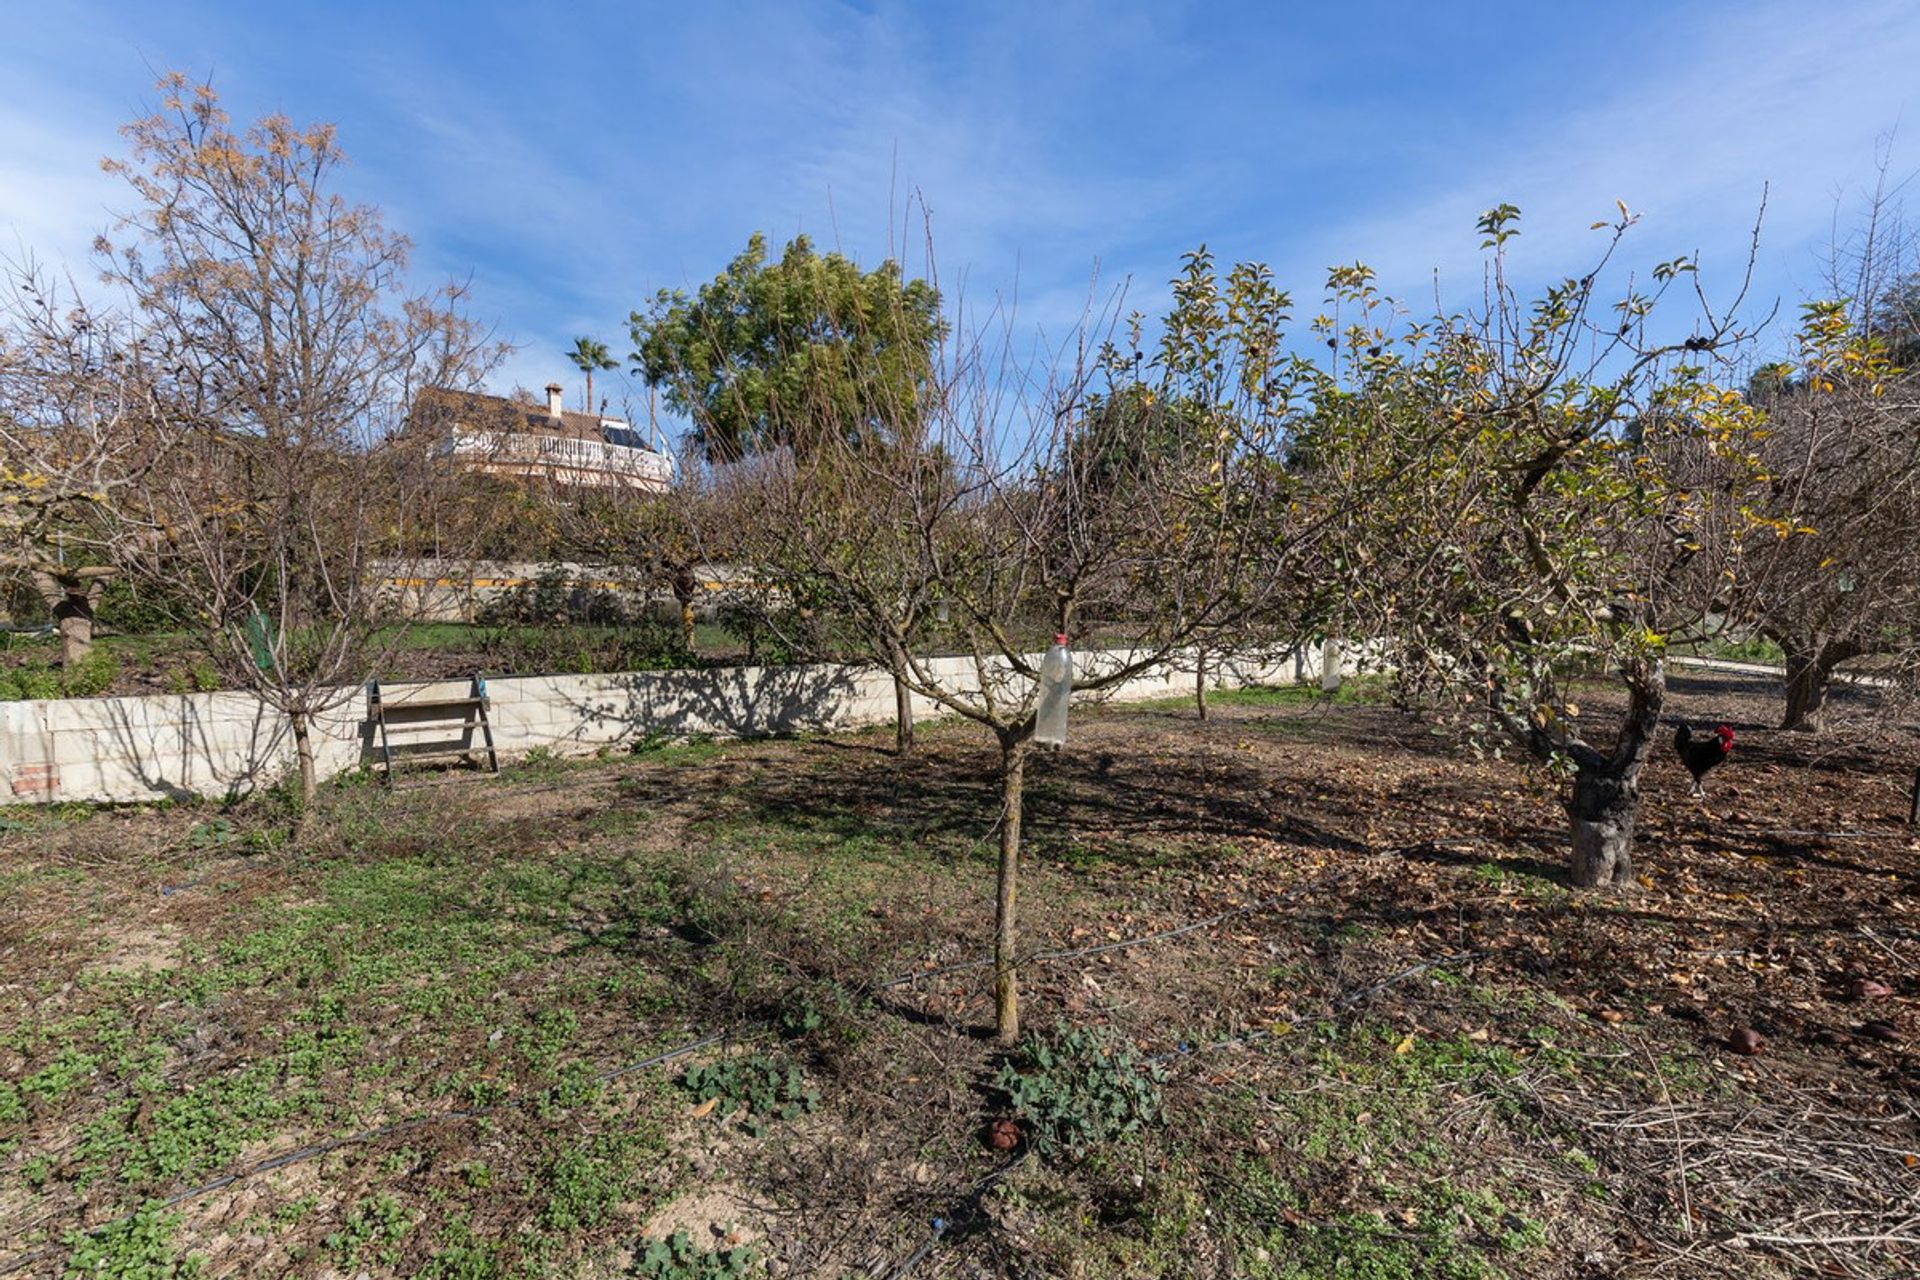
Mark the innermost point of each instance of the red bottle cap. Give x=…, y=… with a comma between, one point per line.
x=1060, y=638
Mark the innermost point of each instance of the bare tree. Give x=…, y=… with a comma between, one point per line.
x=1025, y=499
x=830, y=543
x=651, y=538
x=1837, y=580
x=81, y=425
x=300, y=350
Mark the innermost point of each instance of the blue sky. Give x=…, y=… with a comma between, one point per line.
x=574, y=159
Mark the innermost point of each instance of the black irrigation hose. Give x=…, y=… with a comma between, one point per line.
x=941, y=1225
x=250, y=865
x=959, y=1216
x=244, y=867
x=969, y=1204
x=1048, y=957
x=1353, y=998
x=312, y=1151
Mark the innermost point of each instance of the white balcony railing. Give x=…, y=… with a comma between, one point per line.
x=590, y=462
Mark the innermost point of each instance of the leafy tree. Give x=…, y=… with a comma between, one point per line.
x=1219, y=357
x=1836, y=582
x=768, y=349
x=804, y=354
x=1529, y=495
x=1873, y=272
x=588, y=355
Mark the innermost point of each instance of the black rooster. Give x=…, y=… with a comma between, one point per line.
x=1702, y=754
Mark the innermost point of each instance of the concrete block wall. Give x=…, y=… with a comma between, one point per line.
x=216, y=745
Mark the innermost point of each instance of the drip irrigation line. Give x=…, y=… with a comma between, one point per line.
x=942, y=1225
x=1353, y=998
x=251, y=864
x=1194, y=926
x=315, y=1150
x=960, y=1215
x=312, y=1151
x=969, y=1204
x=302, y=1154
x=1835, y=835
x=1343, y=1004
x=244, y=867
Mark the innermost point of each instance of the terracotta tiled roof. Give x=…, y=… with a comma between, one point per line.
x=438, y=408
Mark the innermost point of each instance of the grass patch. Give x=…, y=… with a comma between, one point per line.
x=1751, y=649
x=1362, y=690
x=141, y=1248
x=661, y=749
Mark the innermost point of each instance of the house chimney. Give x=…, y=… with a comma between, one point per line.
x=553, y=401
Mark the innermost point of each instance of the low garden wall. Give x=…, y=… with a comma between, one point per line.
x=220, y=745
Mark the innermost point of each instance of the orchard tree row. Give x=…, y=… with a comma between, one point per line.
x=1541, y=488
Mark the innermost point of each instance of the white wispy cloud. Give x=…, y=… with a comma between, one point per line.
x=1739, y=102
x=574, y=167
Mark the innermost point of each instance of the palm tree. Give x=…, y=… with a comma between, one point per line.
x=588, y=355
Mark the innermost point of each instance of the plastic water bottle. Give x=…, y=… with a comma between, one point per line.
x=1056, y=686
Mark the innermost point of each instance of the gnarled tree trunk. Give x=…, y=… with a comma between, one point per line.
x=1006, y=935
x=685, y=586
x=71, y=596
x=1200, y=683
x=74, y=616
x=1602, y=812
x=1606, y=788
x=1810, y=668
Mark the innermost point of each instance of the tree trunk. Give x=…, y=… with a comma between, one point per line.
x=1806, y=693
x=1810, y=671
x=310, y=782
x=1200, y=684
x=1006, y=980
x=1606, y=789
x=902, y=718
x=1602, y=812
x=1330, y=665
x=71, y=598
x=74, y=614
x=685, y=586
x=303, y=750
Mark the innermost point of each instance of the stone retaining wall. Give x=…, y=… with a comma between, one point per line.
x=217, y=745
